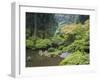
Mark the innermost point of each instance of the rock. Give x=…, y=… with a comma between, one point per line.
x=46, y=53
x=28, y=58
x=63, y=55
x=40, y=52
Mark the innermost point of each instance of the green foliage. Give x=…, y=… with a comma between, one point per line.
x=29, y=43
x=43, y=43
x=76, y=39
x=80, y=45
x=55, y=53
x=51, y=49
x=81, y=41
x=61, y=47
x=57, y=40
x=52, y=37
x=77, y=58
x=64, y=49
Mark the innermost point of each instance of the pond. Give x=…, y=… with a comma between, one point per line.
x=34, y=59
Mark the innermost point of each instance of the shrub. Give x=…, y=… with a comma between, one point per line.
x=64, y=49
x=43, y=43
x=77, y=58
x=80, y=45
x=51, y=49
x=57, y=40
x=29, y=43
x=61, y=47
x=55, y=53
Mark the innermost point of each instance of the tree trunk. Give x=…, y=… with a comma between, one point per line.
x=35, y=26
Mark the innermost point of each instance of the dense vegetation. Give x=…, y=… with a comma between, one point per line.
x=42, y=34
x=76, y=58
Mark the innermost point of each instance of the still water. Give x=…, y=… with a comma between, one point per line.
x=33, y=59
